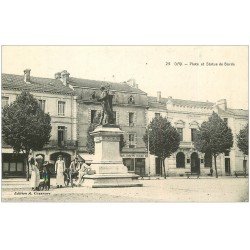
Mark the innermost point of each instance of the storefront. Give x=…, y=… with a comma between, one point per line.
x=13, y=165
x=135, y=163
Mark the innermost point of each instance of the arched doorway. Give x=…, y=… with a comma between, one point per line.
x=195, y=163
x=180, y=160
x=66, y=157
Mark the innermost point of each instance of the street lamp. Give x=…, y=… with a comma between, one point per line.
x=149, y=130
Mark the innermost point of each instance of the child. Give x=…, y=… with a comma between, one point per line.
x=46, y=178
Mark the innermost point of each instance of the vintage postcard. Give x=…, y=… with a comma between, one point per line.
x=124, y=124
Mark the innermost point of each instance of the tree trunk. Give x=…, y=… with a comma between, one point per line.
x=161, y=166
x=164, y=169
x=215, y=166
x=245, y=166
x=28, y=168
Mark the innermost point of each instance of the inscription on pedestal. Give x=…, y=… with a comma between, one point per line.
x=107, y=162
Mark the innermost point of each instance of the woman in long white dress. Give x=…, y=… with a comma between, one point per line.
x=35, y=175
x=59, y=169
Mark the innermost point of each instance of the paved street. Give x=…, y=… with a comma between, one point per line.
x=223, y=189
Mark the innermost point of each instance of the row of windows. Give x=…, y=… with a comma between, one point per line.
x=42, y=103
x=61, y=105
x=157, y=115
x=193, y=133
x=95, y=116
x=180, y=130
x=13, y=167
x=62, y=137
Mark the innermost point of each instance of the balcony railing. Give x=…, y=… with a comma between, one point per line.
x=66, y=144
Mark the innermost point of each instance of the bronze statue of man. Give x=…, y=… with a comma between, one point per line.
x=107, y=107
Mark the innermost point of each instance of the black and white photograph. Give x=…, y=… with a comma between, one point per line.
x=125, y=124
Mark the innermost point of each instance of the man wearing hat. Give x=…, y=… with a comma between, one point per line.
x=74, y=166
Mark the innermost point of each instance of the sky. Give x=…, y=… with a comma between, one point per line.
x=173, y=70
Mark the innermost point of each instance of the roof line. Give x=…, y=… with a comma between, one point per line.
x=182, y=100
x=120, y=91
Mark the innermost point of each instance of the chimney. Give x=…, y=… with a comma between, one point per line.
x=27, y=75
x=169, y=103
x=58, y=75
x=158, y=96
x=222, y=104
x=65, y=77
x=132, y=83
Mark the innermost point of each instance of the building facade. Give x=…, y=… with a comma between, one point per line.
x=55, y=98
x=129, y=106
x=73, y=107
x=186, y=116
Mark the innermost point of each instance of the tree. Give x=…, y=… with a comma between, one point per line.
x=242, y=140
x=25, y=126
x=164, y=139
x=242, y=143
x=213, y=137
x=90, y=139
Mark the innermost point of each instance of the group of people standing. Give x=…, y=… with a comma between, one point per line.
x=35, y=174
x=76, y=167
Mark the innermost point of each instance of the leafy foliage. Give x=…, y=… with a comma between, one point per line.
x=214, y=137
x=242, y=140
x=163, y=138
x=25, y=126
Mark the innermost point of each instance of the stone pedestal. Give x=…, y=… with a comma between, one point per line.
x=107, y=162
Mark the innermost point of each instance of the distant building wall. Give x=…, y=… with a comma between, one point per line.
x=188, y=115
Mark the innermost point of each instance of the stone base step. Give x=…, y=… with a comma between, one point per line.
x=111, y=180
